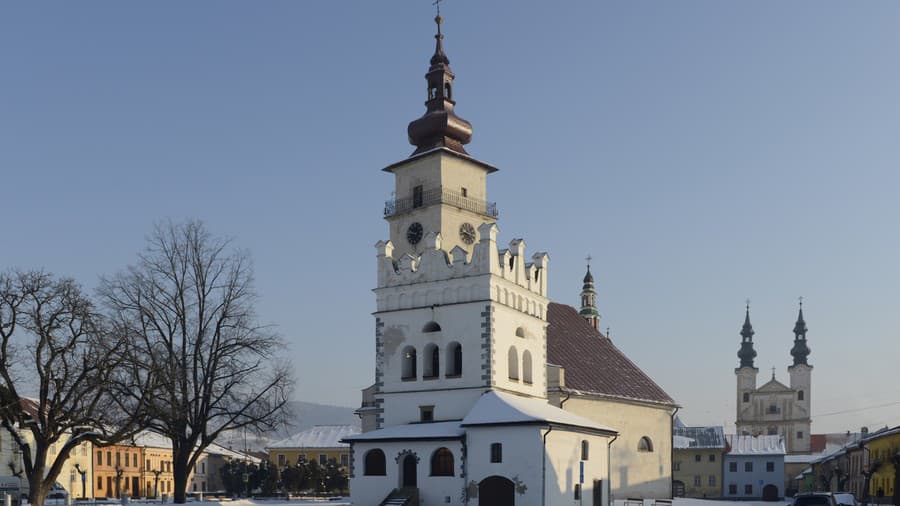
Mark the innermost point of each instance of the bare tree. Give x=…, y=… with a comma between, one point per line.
x=56, y=362
x=187, y=306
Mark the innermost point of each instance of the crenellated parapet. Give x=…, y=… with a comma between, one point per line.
x=505, y=275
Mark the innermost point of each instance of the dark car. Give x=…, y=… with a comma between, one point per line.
x=814, y=499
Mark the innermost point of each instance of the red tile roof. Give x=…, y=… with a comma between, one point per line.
x=592, y=364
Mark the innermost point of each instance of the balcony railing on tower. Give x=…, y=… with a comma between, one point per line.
x=440, y=195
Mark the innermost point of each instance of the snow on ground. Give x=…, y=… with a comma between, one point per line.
x=685, y=501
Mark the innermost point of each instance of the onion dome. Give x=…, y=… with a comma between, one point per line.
x=801, y=350
x=747, y=353
x=439, y=127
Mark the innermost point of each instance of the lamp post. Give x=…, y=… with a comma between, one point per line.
x=868, y=471
x=83, y=473
x=156, y=473
x=119, y=473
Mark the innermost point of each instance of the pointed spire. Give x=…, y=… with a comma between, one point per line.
x=439, y=127
x=801, y=350
x=747, y=353
x=588, y=299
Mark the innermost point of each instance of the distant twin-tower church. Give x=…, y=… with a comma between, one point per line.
x=775, y=408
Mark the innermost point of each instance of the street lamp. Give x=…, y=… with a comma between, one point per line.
x=156, y=473
x=83, y=473
x=119, y=473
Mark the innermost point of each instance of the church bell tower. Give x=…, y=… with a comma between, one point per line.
x=746, y=373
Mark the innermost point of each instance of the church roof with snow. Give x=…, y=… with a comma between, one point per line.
x=593, y=365
x=501, y=408
x=319, y=436
x=412, y=431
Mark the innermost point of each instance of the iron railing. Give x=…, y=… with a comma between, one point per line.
x=440, y=195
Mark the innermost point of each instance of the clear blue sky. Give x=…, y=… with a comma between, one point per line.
x=703, y=152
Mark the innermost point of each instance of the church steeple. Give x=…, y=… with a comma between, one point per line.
x=588, y=303
x=747, y=353
x=439, y=126
x=800, y=351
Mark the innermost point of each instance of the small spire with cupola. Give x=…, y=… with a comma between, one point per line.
x=747, y=353
x=801, y=350
x=588, y=299
x=439, y=126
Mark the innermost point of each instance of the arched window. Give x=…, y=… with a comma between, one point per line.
x=800, y=395
x=454, y=359
x=645, y=445
x=585, y=449
x=442, y=462
x=432, y=365
x=520, y=332
x=526, y=367
x=374, y=463
x=447, y=91
x=431, y=327
x=746, y=397
x=408, y=369
x=432, y=93
x=512, y=359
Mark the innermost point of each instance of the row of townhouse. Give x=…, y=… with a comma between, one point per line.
x=709, y=464
x=866, y=467
x=141, y=467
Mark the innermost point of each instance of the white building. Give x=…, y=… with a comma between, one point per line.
x=754, y=467
x=465, y=406
x=775, y=408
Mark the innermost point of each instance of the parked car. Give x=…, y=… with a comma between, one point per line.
x=815, y=499
x=845, y=499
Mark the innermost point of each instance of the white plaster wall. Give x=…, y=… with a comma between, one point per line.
x=433, y=490
x=564, y=463
x=759, y=477
x=633, y=474
x=507, y=321
x=403, y=408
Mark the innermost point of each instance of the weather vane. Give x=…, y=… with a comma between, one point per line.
x=437, y=3
x=589, y=258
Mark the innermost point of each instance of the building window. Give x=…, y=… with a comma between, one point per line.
x=799, y=434
x=426, y=413
x=577, y=491
x=442, y=462
x=374, y=463
x=418, y=193
x=526, y=367
x=697, y=481
x=732, y=467
x=134, y=459
x=585, y=449
x=697, y=458
x=109, y=458
x=345, y=460
x=677, y=466
x=772, y=410
x=323, y=459
x=645, y=445
x=99, y=458
x=432, y=359
x=520, y=332
x=732, y=489
x=99, y=483
x=148, y=465
x=496, y=453
x=800, y=395
x=464, y=191
x=748, y=467
x=712, y=480
x=712, y=457
x=203, y=468
x=454, y=359
x=408, y=369
x=282, y=460
x=748, y=489
x=772, y=430
x=431, y=327
x=301, y=458
x=512, y=358
x=770, y=467
x=746, y=399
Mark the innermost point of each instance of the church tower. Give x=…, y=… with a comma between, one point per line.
x=588, y=303
x=801, y=383
x=746, y=373
x=456, y=315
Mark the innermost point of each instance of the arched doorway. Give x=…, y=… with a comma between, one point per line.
x=408, y=477
x=770, y=493
x=678, y=488
x=496, y=491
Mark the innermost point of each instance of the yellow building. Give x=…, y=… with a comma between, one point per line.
x=882, y=446
x=320, y=443
x=697, y=462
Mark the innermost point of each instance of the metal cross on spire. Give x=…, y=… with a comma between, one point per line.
x=437, y=4
x=773, y=373
x=588, y=259
x=800, y=298
x=748, y=304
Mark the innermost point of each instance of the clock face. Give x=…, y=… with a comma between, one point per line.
x=467, y=233
x=414, y=233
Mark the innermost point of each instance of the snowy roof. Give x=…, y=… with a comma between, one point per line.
x=215, y=449
x=433, y=430
x=800, y=459
x=698, y=437
x=150, y=439
x=756, y=445
x=319, y=436
x=500, y=408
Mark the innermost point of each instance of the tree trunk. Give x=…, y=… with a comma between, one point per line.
x=181, y=471
x=37, y=486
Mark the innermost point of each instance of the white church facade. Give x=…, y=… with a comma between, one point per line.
x=776, y=409
x=465, y=408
